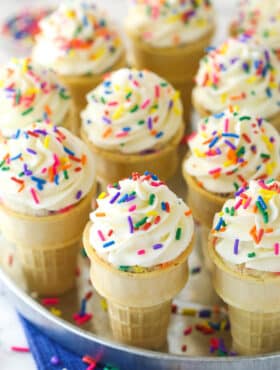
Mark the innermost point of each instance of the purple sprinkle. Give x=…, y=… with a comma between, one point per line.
x=228, y=143
x=31, y=151
x=115, y=197
x=55, y=360
x=79, y=194
x=157, y=246
x=170, y=105
x=106, y=120
x=235, y=247
x=150, y=123
x=41, y=132
x=240, y=191
x=130, y=198
x=130, y=223
x=27, y=172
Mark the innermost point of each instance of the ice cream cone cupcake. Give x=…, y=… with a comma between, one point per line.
x=228, y=150
x=138, y=241
x=169, y=39
x=47, y=183
x=29, y=93
x=79, y=43
x=242, y=73
x=244, y=245
x=133, y=122
x=259, y=20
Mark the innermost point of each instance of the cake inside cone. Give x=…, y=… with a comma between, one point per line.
x=244, y=246
x=138, y=241
x=47, y=180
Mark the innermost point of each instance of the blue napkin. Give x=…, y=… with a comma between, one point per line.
x=44, y=349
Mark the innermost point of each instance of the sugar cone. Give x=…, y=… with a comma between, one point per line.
x=204, y=236
x=203, y=113
x=203, y=204
x=47, y=246
x=71, y=121
x=79, y=86
x=254, y=306
x=113, y=166
x=178, y=65
x=139, y=304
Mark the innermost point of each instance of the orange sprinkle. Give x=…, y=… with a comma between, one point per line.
x=188, y=213
x=107, y=132
x=100, y=214
x=48, y=110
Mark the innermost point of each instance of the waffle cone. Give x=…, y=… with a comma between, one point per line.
x=79, y=86
x=254, y=306
x=113, y=166
x=139, y=304
x=47, y=246
x=203, y=113
x=203, y=204
x=178, y=65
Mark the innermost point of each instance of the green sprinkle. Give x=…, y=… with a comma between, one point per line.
x=236, y=186
x=134, y=109
x=141, y=222
x=227, y=210
x=27, y=111
x=65, y=173
x=232, y=211
x=252, y=255
x=83, y=252
x=18, y=96
x=265, y=156
x=262, y=211
x=2, y=163
x=5, y=168
x=240, y=151
x=178, y=233
x=124, y=268
x=244, y=118
x=151, y=199
x=163, y=84
x=102, y=99
x=63, y=95
x=128, y=95
x=141, y=122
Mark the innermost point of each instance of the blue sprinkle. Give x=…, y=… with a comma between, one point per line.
x=108, y=244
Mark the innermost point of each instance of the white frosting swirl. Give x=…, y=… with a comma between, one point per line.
x=261, y=20
x=248, y=228
x=29, y=93
x=140, y=222
x=240, y=73
x=44, y=169
x=169, y=23
x=231, y=149
x=77, y=39
x=132, y=111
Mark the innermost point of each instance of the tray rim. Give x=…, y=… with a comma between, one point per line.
x=11, y=287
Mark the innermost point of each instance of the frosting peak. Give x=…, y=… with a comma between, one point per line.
x=232, y=148
x=29, y=93
x=248, y=227
x=77, y=39
x=140, y=222
x=169, y=23
x=261, y=20
x=239, y=72
x=44, y=169
x=132, y=111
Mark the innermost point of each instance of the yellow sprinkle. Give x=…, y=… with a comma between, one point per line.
x=103, y=304
x=270, y=167
x=70, y=13
x=198, y=153
x=152, y=213
x=267, y=194
x=223, y=325
x=55, y=311
x=188, y=312
x=267, y=142
x=224, y=98
x=46, y=141
x=118, y=112
x=273, y=85
x=172, y=19
x=201, y=22
x=251, y=79
x=102, y=195
x=227, y=163
x=138, y=269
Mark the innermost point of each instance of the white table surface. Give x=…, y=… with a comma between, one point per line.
x=11, y=333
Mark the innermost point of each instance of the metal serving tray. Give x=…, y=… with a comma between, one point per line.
x=94, y=338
